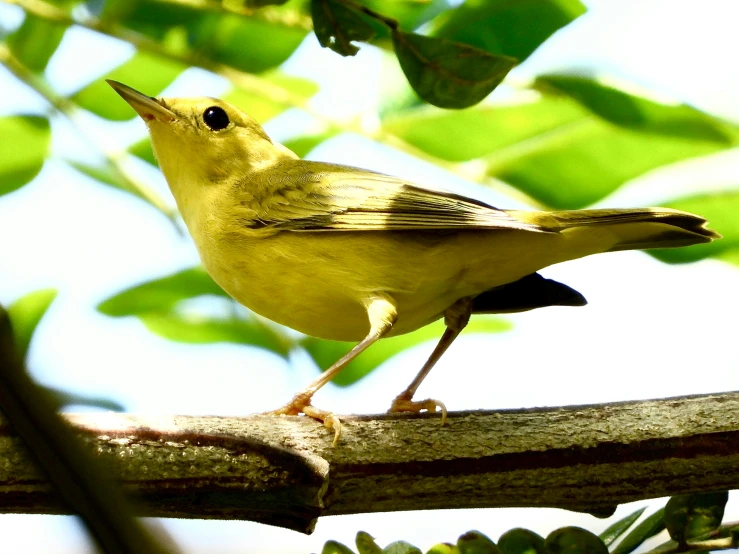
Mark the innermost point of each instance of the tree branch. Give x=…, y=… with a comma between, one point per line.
x=283, y=471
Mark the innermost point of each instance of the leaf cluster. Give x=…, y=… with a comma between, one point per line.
x=692, y=521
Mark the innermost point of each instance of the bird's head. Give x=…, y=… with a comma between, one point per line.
x=202, y=141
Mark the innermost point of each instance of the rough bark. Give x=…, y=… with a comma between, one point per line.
x=283, y=471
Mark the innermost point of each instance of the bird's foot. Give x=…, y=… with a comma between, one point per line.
x=300, y=404
x=405, y=404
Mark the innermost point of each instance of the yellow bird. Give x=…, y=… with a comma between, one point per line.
x=347, y=254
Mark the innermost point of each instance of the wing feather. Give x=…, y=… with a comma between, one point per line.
x=314, y=196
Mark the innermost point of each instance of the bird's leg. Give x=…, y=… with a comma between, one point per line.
x=382, y=314
x=456, y=318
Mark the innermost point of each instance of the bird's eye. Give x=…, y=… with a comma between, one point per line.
x=216, y=118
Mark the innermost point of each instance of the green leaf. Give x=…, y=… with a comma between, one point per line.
x=555, y=149
x=146, y=72
x=521, y=541
x=248, y=44
x=410, y=14
x=574, y=540
x=474, y=542
x=23, y=149
x=154, y=19
x=637, y=112
x=325, y=352
x=143, y=150
x=443, y=548
x=449, y=74
x=193, y=329
x=336, y=25
x=35, y=41
x=585, y=161
x=154, y=303
x=303, y=145
x=366, y=544
x=264, y=106
x=477, y=132
x=503, y=27
x=25, y=315
x=109, y=174
x=614, y=531
x=401, y=547
x=720, y=210
x=333, y=547
x=730, y=256
x=244, y=43
x=161, y=295
x=692, y=516
x=645, y=530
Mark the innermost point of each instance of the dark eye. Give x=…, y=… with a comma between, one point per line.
x=215, y=118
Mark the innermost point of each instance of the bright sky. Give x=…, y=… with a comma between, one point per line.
x=650, y=330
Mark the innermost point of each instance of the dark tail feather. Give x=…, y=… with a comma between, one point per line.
x=635, y=228
x=528, y=293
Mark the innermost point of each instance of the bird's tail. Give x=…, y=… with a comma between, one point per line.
x=634, y=229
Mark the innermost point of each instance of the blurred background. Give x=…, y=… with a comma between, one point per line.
x=645, y=115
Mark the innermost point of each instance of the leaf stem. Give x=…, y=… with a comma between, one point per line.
x=387, y=21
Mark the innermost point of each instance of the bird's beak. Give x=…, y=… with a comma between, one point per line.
x=147, y=107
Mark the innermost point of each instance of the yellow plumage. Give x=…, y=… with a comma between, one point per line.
x=347, y=254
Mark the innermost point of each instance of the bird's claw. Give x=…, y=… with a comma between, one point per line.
x=402, y=404
x=300, y=404
x=330, y=421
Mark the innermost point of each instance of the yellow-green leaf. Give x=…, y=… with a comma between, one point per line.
x=481, y=131
x=503, y=27
x=401, y=547
x=25, y=315
x=304, y=144
x=720, y=209
x=146, y=72
x=333, y=547
x=637, y=112
x=366, y=544
x=325, y=352
x=443, y=548
x=143, y=150
x=264, y=106
x=35, y=41
x=23, y=149
x=245, y=43
x=161, y=295
x=195, y=329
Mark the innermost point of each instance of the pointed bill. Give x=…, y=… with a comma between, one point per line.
x=147, y=107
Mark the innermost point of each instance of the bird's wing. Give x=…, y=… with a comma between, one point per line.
x=311, y=196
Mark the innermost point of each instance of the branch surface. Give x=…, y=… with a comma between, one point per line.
x=283, y=470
